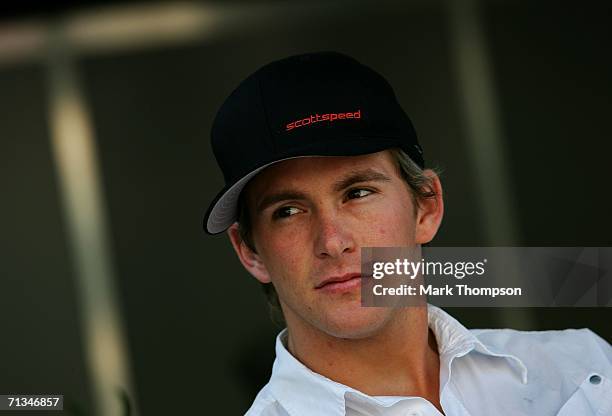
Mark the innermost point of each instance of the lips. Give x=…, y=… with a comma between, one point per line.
x=337, y=281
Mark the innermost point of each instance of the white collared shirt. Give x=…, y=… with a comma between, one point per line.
x=483, y=372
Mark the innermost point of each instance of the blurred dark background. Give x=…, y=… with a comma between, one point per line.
x=523, y=83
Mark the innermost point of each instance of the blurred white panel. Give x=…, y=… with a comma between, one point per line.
x=76, y=164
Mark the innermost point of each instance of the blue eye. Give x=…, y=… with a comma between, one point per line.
x=285, y=212
x=358, y=193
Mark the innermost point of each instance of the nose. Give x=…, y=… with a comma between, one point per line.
x=334, y=237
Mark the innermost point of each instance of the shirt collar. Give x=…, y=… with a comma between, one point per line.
x=302, y=391
x=454, y=341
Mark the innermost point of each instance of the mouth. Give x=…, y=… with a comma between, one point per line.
x=337, y=284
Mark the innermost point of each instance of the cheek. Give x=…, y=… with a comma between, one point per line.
x=395, y=225
x=283, y=255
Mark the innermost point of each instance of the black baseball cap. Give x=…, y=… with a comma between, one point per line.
x=314, y=104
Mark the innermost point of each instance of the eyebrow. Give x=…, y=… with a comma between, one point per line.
x=364, y=175
x=278, y=197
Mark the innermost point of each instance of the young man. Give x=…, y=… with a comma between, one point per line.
x=320, y=160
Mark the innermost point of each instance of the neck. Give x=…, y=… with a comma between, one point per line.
x=399, y=360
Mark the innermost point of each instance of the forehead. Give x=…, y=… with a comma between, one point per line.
x=317, y=171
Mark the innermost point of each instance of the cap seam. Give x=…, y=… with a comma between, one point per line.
x=271, y=140
x=364, y=101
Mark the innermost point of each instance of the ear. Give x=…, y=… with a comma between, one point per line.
x=249, y=259
x=430, y=212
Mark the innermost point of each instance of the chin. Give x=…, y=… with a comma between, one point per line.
x=356, y=324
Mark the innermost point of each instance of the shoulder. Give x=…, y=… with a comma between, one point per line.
x=571, y=348
x=266, y=405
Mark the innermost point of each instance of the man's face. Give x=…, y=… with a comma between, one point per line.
x=310, y=217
